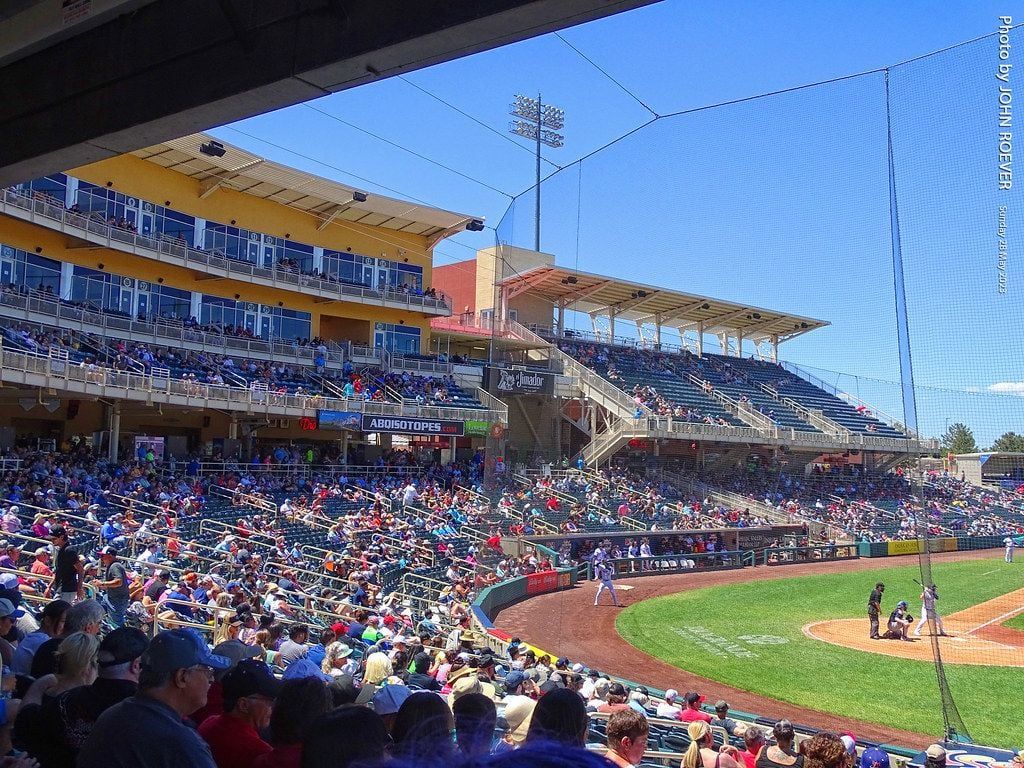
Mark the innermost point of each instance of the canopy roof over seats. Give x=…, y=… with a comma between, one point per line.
x=328, y=200
x=636, y=302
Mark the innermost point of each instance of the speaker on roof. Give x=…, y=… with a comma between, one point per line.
x=475, y=225
x=213, y=149
x=359, y=197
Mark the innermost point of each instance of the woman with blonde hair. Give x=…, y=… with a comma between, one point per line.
x=702, y=753
x=224, y=625
x=266, y=642
x=441, y=667
x=378, y=669
x=76, y=666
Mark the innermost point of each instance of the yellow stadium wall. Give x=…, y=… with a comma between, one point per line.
x=28, y=237
x=147, y=181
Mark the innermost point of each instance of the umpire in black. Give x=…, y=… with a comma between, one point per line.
x=874, y=608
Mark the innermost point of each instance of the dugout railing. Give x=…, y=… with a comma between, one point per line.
x=660, y=565
x=815, y=554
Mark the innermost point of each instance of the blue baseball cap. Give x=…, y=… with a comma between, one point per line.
x=302, y=668
x=873, y=757
x=180, y=649
x=514, y=679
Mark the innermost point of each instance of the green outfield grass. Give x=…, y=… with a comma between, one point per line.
x=700, y=631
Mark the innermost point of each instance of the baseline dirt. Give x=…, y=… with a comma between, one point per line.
x=976, y=637
x=567, y=624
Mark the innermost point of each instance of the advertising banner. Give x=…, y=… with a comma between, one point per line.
x=511, y=381
x=477, y=428
x=539, y=583
x=349, y=420
x=916, y=546
x=404, y=425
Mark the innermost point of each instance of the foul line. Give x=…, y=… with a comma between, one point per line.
x=997, y=619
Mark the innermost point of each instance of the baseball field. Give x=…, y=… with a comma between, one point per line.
x=802, y=640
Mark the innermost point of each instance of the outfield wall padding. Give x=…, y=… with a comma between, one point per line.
x=938, y=544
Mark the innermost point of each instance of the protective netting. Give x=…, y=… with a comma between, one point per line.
x=873, y=202
x=954, y=254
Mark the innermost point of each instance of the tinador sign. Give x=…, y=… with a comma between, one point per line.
x=515, y=381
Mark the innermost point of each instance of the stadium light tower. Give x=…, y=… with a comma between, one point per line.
x=538, y=122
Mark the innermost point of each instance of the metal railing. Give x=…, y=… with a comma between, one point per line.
x=793, y=555
x=48, y=310
x=626, y=567
x=19, y=367
x=848, y=398
x=403, y=363
x=624, y=406
x=571, y=334
x=491, y=403
x=739, y=409
x=730, y=499
x=365, y=352
x=16, y=203
x=476, y=324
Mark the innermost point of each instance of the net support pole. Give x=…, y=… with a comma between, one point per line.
x=954, y=728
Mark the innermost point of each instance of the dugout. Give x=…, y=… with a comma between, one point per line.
x=727, y=539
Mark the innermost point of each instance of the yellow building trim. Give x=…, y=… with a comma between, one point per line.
x=138, y=178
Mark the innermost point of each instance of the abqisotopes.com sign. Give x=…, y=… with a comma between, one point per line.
x=401, y=425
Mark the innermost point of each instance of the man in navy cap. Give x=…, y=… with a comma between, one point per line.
x=250, y=690
x=149, y=730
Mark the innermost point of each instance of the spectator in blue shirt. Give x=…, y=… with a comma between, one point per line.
x=149, y=730
x=181, y=592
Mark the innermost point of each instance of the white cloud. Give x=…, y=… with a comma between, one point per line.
x=1007, y=388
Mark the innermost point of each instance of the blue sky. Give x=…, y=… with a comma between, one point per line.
x=780, y=202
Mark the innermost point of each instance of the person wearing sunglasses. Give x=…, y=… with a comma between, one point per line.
x=250, y=690
x=149, y=729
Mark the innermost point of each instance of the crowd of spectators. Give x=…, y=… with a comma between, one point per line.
x=881, y=508
x=103, y=358
x=276, y=631
x=575, y=502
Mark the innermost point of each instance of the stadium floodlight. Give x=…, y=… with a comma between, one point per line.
x=539, y=123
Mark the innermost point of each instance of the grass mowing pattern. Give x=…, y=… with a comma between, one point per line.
x=867, y=686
